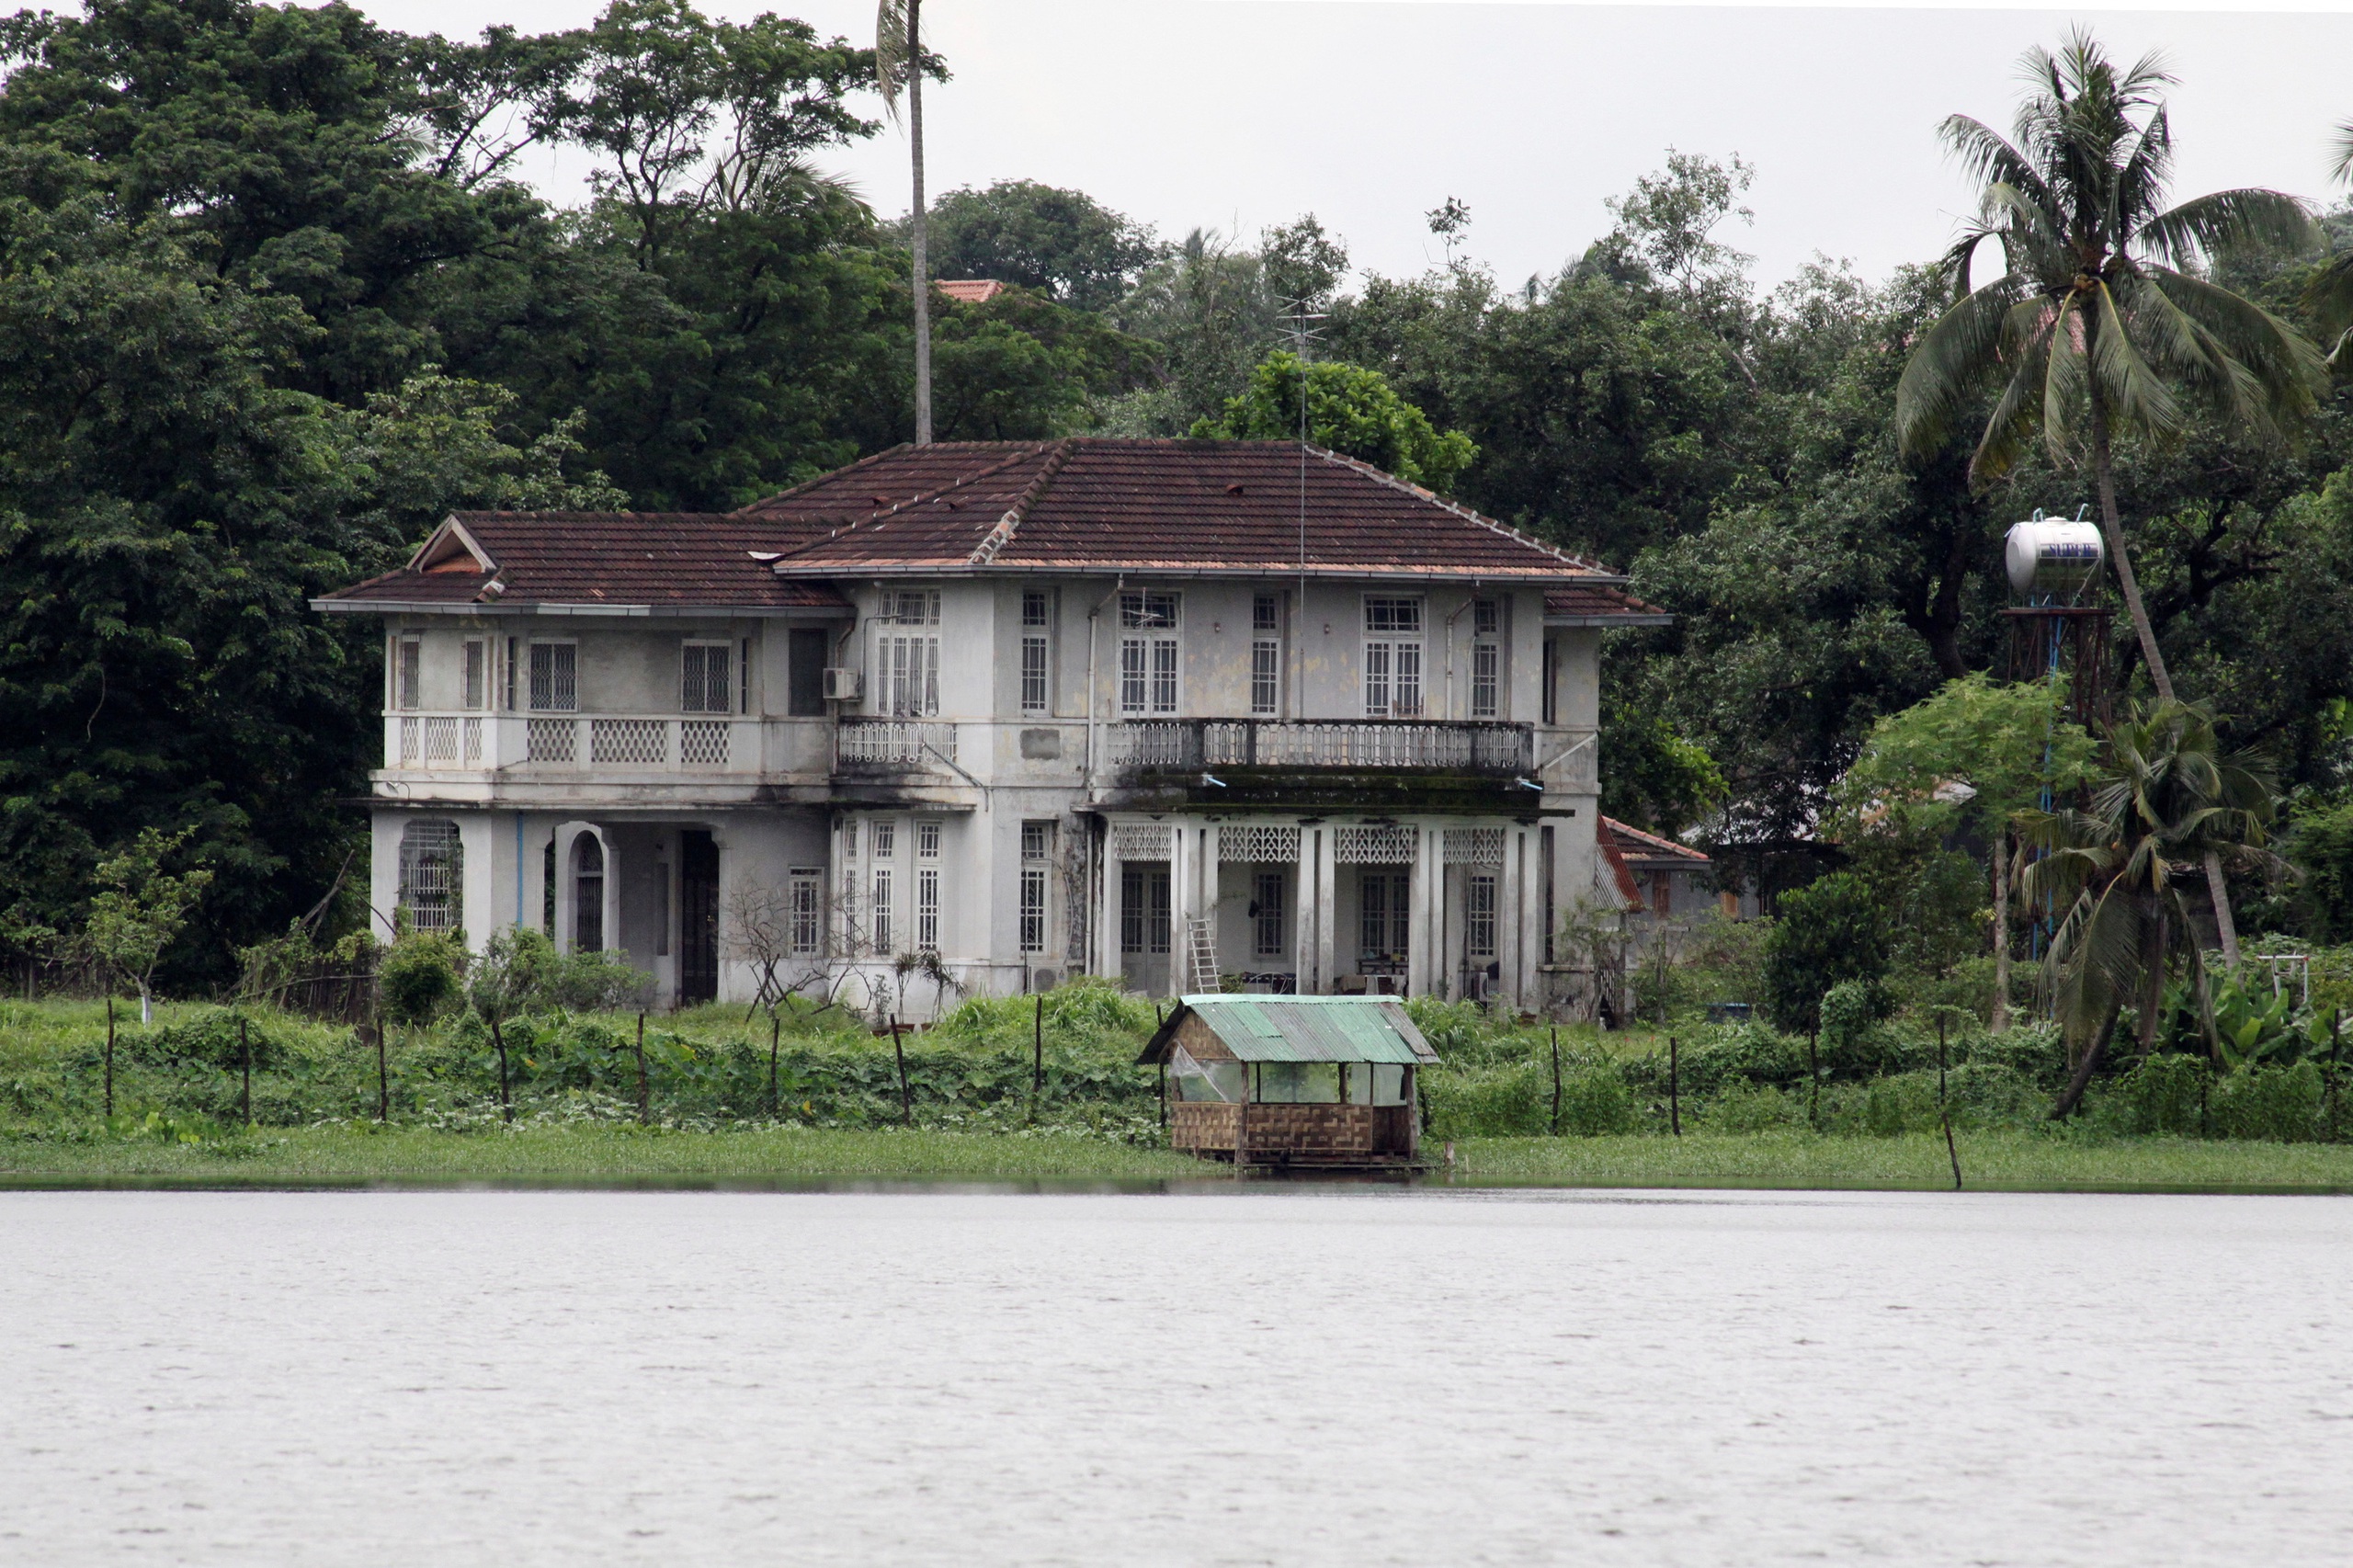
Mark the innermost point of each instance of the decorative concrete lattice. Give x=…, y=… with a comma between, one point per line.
x=552, y=739
x=702, y=742
x=1375, y=846
x=473, y=742
x=408, y=740
x=1257, y=845
x=1141, y=840
x=628, y=740
x=1474, y=847
x=440, y=742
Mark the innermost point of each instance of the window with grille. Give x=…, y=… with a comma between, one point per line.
x=1392, y=658
x=1265, y=654
x=1148, y=653
x=432, y=875
x=1266, y=913
x=1479, y=916
x=408, y=672
x=1038, y=840
x=880, y=923
x=513, y=646
x=553, y=687
x=918, y=607
x=1487, y=618
x=927, y=840
x=886, y=839
x=1144, y=909
x=928, y=909
x=476, y=692
x=1487, y=678
x=806, y=906
x=704, y=685
x=1033, y=909
x=906, y=673
x=587, y=894
x=1033, y=675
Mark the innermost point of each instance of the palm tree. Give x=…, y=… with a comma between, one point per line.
x=2104, y=307
x=2329, y=296
x=898, y=66
x=2166, y=799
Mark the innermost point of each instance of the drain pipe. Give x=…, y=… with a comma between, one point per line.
x=1452, y=704
x=1093, y=692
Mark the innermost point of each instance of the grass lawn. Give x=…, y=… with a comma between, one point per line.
x=621, y=1155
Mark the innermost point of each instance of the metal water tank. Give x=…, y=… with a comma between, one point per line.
x=2053, y=556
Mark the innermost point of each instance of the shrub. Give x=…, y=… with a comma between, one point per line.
x=1744, y=1053
x=1744, y=1106
x=2036, y=1052
x=2279, y=1105
x=2164, y=1093
x=422, y=976
x=1824, y=933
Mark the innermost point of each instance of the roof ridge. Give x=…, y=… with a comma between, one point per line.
x=1029, y=450
x=820, y=479
x=1009, y=524
x=1384, y=477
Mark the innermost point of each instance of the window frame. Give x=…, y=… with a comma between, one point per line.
x=1269, y=933
x=699, y=704
x=408, y=672
x=1395, y=656
x=1151, y=661
x=569, y=646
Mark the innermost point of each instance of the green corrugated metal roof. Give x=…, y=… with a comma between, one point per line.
x=1303, y=1028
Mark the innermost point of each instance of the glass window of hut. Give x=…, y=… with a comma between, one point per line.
x=1388, y=1083
x=1213, y=1083
x=1299, y=1083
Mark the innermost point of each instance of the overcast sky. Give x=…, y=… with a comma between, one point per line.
x=1236, y=114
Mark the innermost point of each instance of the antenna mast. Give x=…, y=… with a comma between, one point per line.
x=1302, y=336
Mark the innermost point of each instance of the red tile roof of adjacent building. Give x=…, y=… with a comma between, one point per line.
x=970, y=291
x=1594, y=601
x=590, y=558
x=1100, y=504
x=1634, y=841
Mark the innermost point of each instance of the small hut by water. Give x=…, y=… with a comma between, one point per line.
x=1293, y=1080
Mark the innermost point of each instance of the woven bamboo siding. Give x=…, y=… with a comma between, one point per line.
x=1197, y=1126
x=1201, y=1040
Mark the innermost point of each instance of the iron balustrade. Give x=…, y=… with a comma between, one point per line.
x=1456, y=746
x=860, y=743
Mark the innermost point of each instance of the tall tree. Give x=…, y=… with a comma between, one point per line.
x=2104, y=306
x=898, y=67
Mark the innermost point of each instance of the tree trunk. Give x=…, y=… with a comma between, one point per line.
x=2153, y=977
x=2103, y=470
x=2074, y=1094
x=918, y=226
x=2001, y=930
x=2220, y=891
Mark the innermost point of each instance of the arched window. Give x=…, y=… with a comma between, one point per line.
x=432, y=876
x=587, y=894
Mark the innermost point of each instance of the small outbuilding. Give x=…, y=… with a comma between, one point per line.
x=1282, y=1080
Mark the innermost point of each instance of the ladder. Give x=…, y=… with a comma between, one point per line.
x=1201, y=955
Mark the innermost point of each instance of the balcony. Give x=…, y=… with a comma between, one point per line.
x=1186, y=745
x=563, y=742
x=893, y=745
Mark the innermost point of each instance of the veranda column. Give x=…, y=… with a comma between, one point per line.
x=1511, y=919
x=1180, y=902
x=1327, y=906
x=1419, y=935
x=1108, y=905
x=1212, y=873
x=1303, y=918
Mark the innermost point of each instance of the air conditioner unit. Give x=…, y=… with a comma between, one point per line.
x=844, y=685
x=1043, y=979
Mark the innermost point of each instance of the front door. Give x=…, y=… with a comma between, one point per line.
x=698, y=918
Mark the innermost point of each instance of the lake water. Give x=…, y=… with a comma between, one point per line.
x=1294, y=1377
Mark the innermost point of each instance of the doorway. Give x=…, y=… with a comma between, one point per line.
x=698, y=918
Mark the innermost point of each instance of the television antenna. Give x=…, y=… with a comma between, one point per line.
x=1299, y=326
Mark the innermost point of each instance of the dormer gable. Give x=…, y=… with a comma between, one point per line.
x=452, y=550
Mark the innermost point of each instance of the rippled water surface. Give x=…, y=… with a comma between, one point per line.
x=1289, y=1377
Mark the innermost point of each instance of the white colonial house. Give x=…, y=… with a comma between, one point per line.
x=1172, y=712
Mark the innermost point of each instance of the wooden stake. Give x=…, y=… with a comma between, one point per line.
x=246, y=1053
x=1674, y=1088
x=776, y=1030
x=384, y=1076
x=1813, y=1078
x=1163, y=1093
x=644, y=1097
x=109, y=1057
x=1556, y=1081
x=907, y=1104
x=1951, y=1151
x=505, y=1095
x=1037, y=1056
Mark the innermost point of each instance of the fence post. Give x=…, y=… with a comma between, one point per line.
x=1952, y=1151
x=899, y=1051
x=1037, y=1055
x=109, y=1056
x=644, y=1097
x=384, y=1076
x=1674, y=1088
x=246, y=1053
x=506, y=1095
x=776, y=1028
x=1556, y=1080
x=1813, y=1078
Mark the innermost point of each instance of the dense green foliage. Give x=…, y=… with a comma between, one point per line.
x=275, y=298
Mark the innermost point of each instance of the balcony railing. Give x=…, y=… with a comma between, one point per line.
x=1183, y=745
x=861, y=744
x=624, y=744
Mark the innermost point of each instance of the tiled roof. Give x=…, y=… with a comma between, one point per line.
x=618, y=558
x=1594, y=601
x=1640, y=846
x=970, y=291
x=1143, y=506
